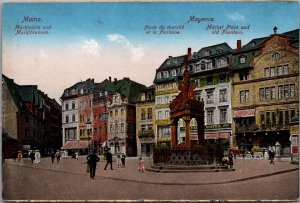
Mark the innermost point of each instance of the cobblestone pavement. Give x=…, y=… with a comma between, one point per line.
x=68, y=180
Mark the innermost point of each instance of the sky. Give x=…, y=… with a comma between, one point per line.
x=55, y=45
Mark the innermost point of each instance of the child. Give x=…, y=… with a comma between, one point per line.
x=141, y=165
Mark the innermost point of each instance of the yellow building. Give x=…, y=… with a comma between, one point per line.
x=265, y=90
x=145, y=122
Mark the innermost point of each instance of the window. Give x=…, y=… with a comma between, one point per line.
x=292, y=113
x=206, y=52
x=73, y=105
x=122, y=127
x=268, y=121
x=143, y=114
x=262, y=118
x=159, y=75
x=111, y=114
x=116, y=128
x=116, y=112
x=242, y=59
x=67, y=106
x=272, y=71
x=286, y=69
x=167, y=113
x=111, y=128
x=202, y=65
x=267, y=72
x=210, y=96
x=67, y=118
x=143, y=128
x=244, y=96
x=173, y=72
x=209, y=80
x=95, y=130
x=122, y=112
x=166, y=74
x=275, y=56
x=159, y=115
x=279, y=70
x=243, y=76
x=262, y=93
x=223, y=115
x=222, y=78
x=210, y=114
x=149, y=114
x=286, y=117
x=223, y=95
x=273, y=119
x=73, y=118
x=268, y=93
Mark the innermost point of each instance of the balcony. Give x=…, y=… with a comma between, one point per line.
x=248, y=128
x=146, y=134
x=281, y=126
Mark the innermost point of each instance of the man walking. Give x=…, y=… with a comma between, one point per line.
x=108, y=160
x=92, y=160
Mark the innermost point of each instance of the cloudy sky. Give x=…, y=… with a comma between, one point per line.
x=98, y=40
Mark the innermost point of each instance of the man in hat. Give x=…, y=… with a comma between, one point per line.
x=93, y=158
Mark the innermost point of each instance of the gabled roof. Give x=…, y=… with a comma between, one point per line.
x=214, y=50
x=126, y=87
x=172, y=62
x=14, y=92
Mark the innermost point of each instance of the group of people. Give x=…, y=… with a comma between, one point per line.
x=56, y=154
x=93, y=159
x=35, y=156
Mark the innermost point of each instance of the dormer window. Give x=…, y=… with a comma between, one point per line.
x=219, y=51
x=173, y=72
x=166, y=74
x=206, y=52
x=202, y=65
x=168, y=62
x=242, y=59
x=175, y=61
x=159, y=75
x=253, y=44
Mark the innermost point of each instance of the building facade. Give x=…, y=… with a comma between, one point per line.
x=209, y=69
x=145, y=122
x=166, y=89
x=122, y=116
x=26, y=120
x=265, y=91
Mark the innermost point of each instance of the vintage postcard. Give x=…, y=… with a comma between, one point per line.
x=150, y=101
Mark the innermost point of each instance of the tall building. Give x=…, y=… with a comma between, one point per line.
x=145, y=122
x=209, y=68
x=122, y=116
x=265, y=90
x=166, y=89
x=26, y=120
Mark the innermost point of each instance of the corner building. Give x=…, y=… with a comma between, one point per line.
x=265, y=91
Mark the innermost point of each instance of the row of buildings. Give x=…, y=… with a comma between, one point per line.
x=30, y=120
x=250, y=95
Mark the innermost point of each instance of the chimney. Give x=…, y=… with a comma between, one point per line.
x=189, y=52
x=109, y=79
x=170, y=57
x=238, y=44
x=115, y=80
x=93, y=80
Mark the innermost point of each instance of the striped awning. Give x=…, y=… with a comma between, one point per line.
x=244, y=113
x=76, y=144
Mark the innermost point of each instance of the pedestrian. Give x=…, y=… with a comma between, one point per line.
x=37, y=157
x=58, y=155
x=108, y=160
x=118, y=160
x=52, y=156
x=230, y=162
x=141, y=165
x=32, y=156
x=92, y=159
x=76, y=155
x=123, y=159
x=272, y=155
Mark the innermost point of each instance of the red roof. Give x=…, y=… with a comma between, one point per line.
x=76, y=144
x=244, y=113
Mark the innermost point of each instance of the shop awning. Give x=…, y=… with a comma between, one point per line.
x=244, y=113
x=217, y=136
x=76, y=144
